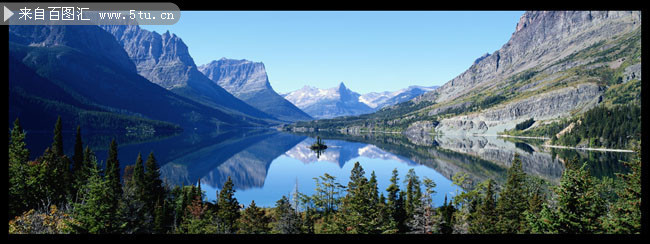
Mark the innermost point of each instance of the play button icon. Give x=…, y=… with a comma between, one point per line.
x=7, y=13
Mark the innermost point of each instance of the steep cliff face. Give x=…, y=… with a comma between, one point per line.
x=165, y=60
x=249, y=82
x=556, y=64
x=551, y=105
x=237, y=76
x=540, y=38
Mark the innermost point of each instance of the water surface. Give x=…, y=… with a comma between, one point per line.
x=266, y=164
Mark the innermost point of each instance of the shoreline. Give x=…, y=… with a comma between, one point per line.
x=590, y=149
x=524, y=137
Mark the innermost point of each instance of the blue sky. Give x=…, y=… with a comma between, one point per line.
x=369, y=51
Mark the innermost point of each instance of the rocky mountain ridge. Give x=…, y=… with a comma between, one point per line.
x=556, y=65
x=540, y=39
x=528, y=77
x=164, y=59
x=52, y=69
x=248, y=81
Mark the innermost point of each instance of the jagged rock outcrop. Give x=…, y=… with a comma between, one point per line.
x=557, y=103
x=248, y=81
x=632, y=72
x=420, y=133
x=165, y=60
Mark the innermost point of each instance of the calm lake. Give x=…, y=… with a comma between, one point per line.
x=266, y=164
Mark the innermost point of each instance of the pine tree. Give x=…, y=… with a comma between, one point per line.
x=413, y=193
x=286, y=219
x=423, y=219
x=159, y=225
x=579, y=207
x=485, y=218
x=532, y=214
x=254, y=221
x=132, y=209
x=112, y=172
x=78, y=157
x=94, y=212
x=18, y=158
x=112, y=177
x=153, y=185
x=626, y=213
x=18, y=152
x=513, y=200
x=374, y=190
x=139, y=181
x=59, y=177
x=446, y=211
x=57, y=144
x=326, y=197
x=82, y=174
x=357, y=177
x=228, y=208
x=196, y=220
x=55, y=182
x=79, y=175
x=386, y=223
x=395, y=203
x=357, y=213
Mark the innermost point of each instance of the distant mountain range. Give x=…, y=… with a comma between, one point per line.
x=341, y=101
x=557, y=66
x=114, y=77
x=328, y=103
x=248, y=81
x=378, y=100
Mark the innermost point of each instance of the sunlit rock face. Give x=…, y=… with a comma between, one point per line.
x=164, y=59
x=247, y=80
x=540, y=38
x=550, y=105
x=540, y=49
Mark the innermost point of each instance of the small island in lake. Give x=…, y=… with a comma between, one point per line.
x=318, y=145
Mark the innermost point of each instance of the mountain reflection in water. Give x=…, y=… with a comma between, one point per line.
x=266, y=164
